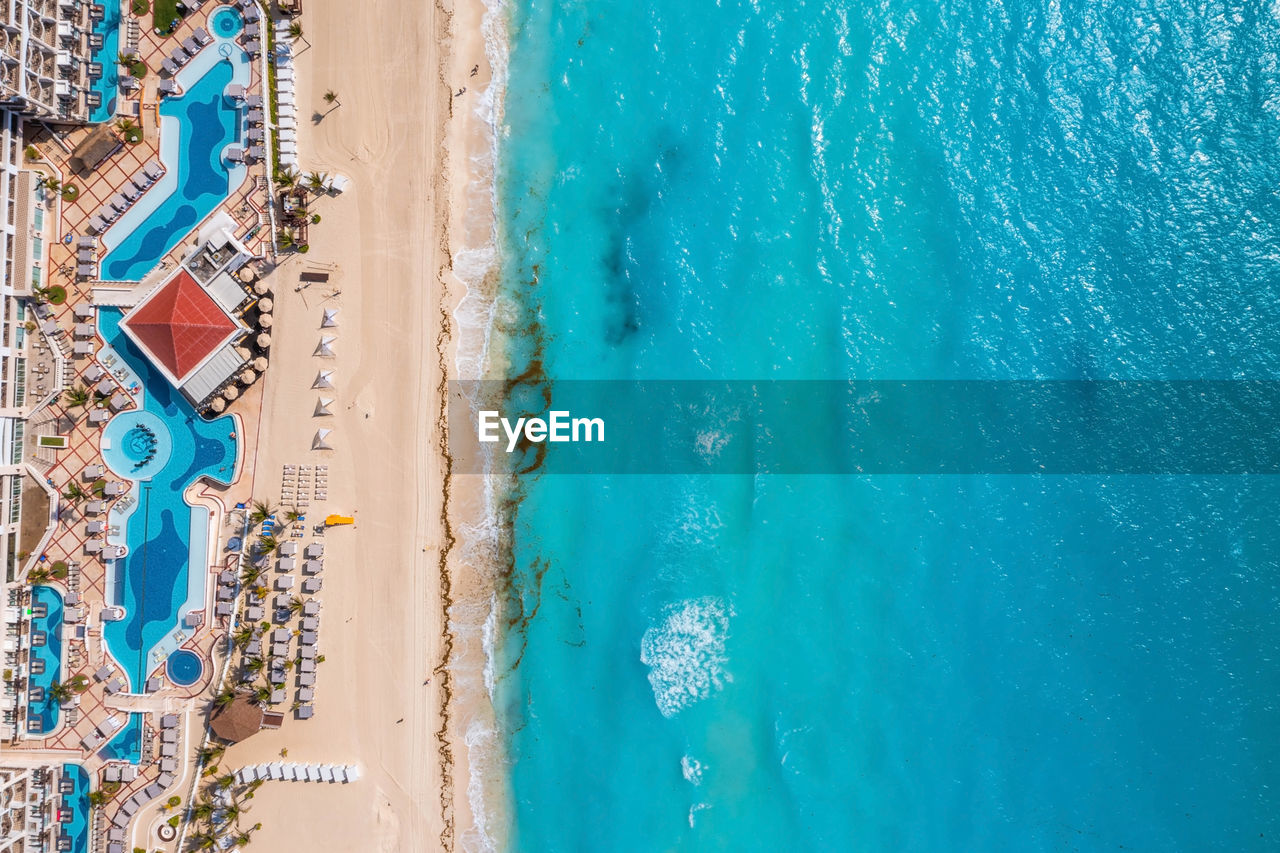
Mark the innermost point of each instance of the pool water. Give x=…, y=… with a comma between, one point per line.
x=226, y=23
x=107, y=84
x=195, y=127
x=184, y=668
x=127, y=744
x=76, y=803
x=46, y=710
x=137, y=445
x=162, y=575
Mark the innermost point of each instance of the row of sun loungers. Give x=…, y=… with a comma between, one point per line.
x=128, y=194
x=281, y=771
x=285, y=97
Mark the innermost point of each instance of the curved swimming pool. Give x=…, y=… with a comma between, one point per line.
x=226, y=23
x=184, y=667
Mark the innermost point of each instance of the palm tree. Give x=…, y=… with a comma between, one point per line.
x=243, y=636
x=50, y=184
x=292, y=515
x=316, y=182
x=129, y=130
x=295, y=605
x=286, y=177
x=224, y=698
x=210, y=753
x=262, y=695
x=267, y=544
x=223, y=783
x=250, y=575
x=262, y=510
x=206, y=840
x=60, y=692
x=204, y=809
x=74, y=492
x=285, y=239
x=255, y=665
x=295, y=30
x=77, y=397
x=331, y=97
x=38, y=575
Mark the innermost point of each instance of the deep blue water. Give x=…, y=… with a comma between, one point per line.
x=942, y=190
x=154, y=573
x=208, y=122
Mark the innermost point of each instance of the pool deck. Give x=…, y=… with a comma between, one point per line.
x=85, y=648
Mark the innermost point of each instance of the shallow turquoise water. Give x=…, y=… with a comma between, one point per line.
x=47, y=710
x=914, y=190
x=77, y=802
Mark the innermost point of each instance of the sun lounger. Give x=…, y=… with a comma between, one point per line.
x=170, y=67
x=97, y=224
x=180, y=56
x=153, y=170
x=235, y=154
x=257, y=152
x=130, y=192
x=202, y=36
x=190, y=46
x=253, y=48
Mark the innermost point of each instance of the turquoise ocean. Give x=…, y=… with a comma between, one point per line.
x=715, y=189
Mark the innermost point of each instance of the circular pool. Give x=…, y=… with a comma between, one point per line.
x=136, y=444
x=226, y=23
x=184, y=668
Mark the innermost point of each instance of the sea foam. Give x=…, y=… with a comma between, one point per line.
x=686, y=653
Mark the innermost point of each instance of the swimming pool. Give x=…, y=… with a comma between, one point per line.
x=127, y=744
x=226, y=23
x=195, y=128
x=50, y=654
x=184, y=667
x=165, y=537
x=137, y=445
x=73, y=815
x=107, y=85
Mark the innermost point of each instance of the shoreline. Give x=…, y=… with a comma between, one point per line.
x=480, y=803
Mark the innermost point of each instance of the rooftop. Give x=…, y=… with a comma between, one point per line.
x=180, y=326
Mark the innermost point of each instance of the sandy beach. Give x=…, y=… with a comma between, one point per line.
x=384, y=244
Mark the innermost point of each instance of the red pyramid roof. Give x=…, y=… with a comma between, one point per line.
x=180, y=325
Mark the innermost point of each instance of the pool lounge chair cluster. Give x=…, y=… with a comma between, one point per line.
x=288, y=771
x=129, y=193
x=288, y=121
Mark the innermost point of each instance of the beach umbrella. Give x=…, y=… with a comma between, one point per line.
x=321, y=441
x=231, y=392
x=322, y=407
x=265, y=304
x=246, y=275
x=265, y=321
x=260, y=364
x=261, y=288
x=330, y=319
x=244, y=353
x=248, y=377
x=324, y=379
x=264, y=341
x=325, y=348
x=218, y=404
